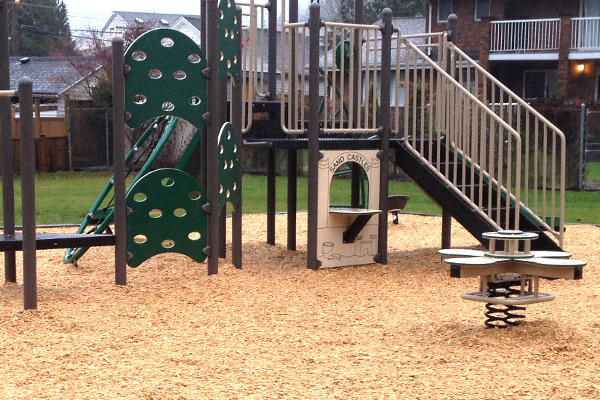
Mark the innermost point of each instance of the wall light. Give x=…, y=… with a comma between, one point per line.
x=580, y=68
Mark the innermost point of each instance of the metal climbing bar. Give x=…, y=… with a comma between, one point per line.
x=543, y=171
x=453, y=131
x=344, y=67
x=254, y=56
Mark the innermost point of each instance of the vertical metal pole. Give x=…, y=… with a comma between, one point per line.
x=272, y=83
x=292, y=154
x=581, y=146
x=8, y=195
x=314, y=25
x=292, y=196
x=356, y=92
x=106, y=138
x=386, y=126
x=28, y=193
x=118, y=77
x=446, y=230
x=271, y=196
x=203, y=34
x=236, y=107
x=212, y=133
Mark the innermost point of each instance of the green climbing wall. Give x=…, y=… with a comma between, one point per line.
x=228, y=166
x=228, y=40
x=164, y=77
x=165, y=215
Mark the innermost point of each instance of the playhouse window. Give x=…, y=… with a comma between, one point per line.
x=539, y=84
x=482, y=9
x=444, y=9
x=340, y=193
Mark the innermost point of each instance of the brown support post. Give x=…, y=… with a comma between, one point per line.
x=272, y=62
x=28, y=193
x=292, y=154
x=355, y=183
x=386, y=127
x=446, y=230
x=8, y=195
x=236, y=107
x=314, y=25
x=563, y=57
x=212, y=177
x=120, y=219
x=223, y=213
x=271, y=196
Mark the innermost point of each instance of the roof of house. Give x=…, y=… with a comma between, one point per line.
x=159, y=19
x=51, y=75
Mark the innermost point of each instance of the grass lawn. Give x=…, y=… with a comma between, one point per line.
x=65, y=197
x=593, y=171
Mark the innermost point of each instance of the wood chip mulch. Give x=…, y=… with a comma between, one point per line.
x=277, y=330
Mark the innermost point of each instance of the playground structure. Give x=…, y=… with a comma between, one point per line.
x=470, y=143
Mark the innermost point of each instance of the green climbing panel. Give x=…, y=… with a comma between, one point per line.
x=228, y=166
x=164, y=77
x=165, y=215
x=228, y=39
x=346, y=56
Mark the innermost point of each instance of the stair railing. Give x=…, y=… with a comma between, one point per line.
x=544, y=145
x=439, y=108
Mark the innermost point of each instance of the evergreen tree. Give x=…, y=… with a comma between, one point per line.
x=40, y=28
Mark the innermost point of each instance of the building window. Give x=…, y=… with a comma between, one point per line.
x=483, y=9
x=444, y=9
x=540, y=84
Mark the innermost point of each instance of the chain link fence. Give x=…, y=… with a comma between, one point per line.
x=592, y=151
x=90, y=138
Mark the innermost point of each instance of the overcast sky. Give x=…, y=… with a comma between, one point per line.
x=84, y=13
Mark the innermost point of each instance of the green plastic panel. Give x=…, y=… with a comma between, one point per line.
x=338, y=56
x=228, y=39
x=228, y=166
x=165, y=215
x=165, y=78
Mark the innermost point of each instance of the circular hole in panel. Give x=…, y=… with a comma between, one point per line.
x=140, y=197
x=221, y=149
x=194, y=236
x=140, y=239
x=235, y=59
x=138, y=55
x=235, y=148
x=155, y=73
x=194, y=58
x=228, y=135
x=195, y=195
x=155, y=213
x=168, y=106
x=228, y=63
x=226, y=32
x=225, y=164
x=228, y=193
x=168, y=243
x=234, y=186
x=235, y=19
x=179, y=212
x=167, y=42
x=232, y=34
x=228, y=3
x=139, y=99
x=222, y=15
x=220, y=189
x=230, y=163
x=179, y=75
x=167, y=182
x=221, y=56
x=195, y=100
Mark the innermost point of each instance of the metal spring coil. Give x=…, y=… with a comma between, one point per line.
x=500, y=315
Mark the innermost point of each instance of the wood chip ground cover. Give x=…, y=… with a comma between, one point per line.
x=277, y=330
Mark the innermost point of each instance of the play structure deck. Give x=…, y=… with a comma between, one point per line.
x=358, y=98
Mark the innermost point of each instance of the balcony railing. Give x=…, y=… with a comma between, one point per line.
x=585, y=33
x=525, y=35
